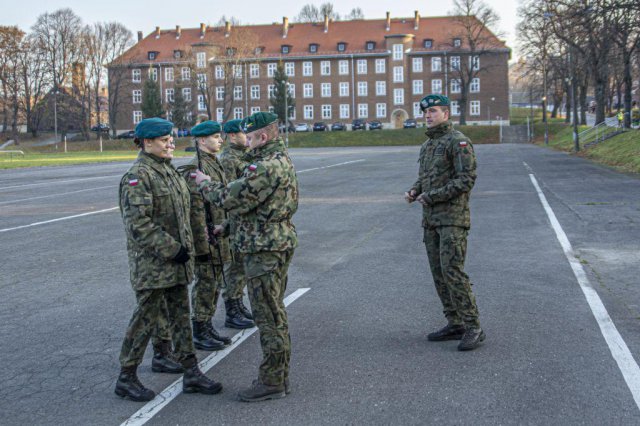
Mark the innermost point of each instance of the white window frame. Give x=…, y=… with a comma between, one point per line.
x=202, y=78
x=185, y=73
x=219, y=114
x=236, y=71
x=237, y=93
x=455, y=63
x=381, y=66
x=381, y=88
x=361, y=67
x=343, y=67
x=455, y=108
x=153, y=74
x=363, y=110
x=168, y=74
x=137, y=117
x=254, y=70
x=219, y=72
x=398, y=96
x=325, y=90
x=186, y=94
x=220, y=93
x=136, y=75
x=474, y=62
x=436, y=64
x=474, y=108
x=292, y=90
x=201, y=59
x=344, y=110
x=255, y=92
x=343, y=89
x=326, y=112
x=436, y=86
x=290, y=69
x=307, y=90
x=271, y=88
x=271, y=69
x=418, y=87
x=474, y=87
x=254, y=109
x=381, y=110
x=136, y=96
x=363, y=88
x=417, y=112
x=398, y=52
x=169, y=95
x=308, y=112
x=417, y=64
x=398, y=74
x=238, y=113
x=456, y=87
x=202, y=106
x=325, y=67
x=307, y=69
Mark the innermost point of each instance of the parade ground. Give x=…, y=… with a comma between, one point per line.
x=553, y=254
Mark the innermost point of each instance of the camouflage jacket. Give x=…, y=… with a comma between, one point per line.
x=154, y=204
x=264, y=199
x=234, y=160
x=212, y=167
x=447, y=174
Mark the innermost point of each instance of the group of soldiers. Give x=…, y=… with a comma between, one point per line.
x=221, y=222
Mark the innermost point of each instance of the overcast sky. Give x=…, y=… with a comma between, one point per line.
x=144, y=15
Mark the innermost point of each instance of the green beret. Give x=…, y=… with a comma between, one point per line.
x=233, y=126
x=433, y=100
x=259, y=120
x=206, y=128
x=151, y=128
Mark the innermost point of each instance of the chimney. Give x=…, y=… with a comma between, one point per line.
x=416, y=19
x=178, y=32
x=139, y=36
x=388, y=27
x=203, y=28
x=326, y=23
x=157, y=32
x=227, y=28
x=285, y=27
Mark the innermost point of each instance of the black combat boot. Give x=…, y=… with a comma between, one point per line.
x=163, y=360
x=217, y=336
x=472, y=338
x=448, y=332
x=243, y=309
x=202, y=339
x=234, y=318
x=287, y=386
x=128, y=386
x=194, y=380
x=258, y=391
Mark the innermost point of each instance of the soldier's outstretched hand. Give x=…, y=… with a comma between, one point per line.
x=201, y=177
x=410, y=196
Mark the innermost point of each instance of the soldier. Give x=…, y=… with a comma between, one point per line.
x=446, y=176
x=264, y=199
x=234, y=159
x=154, y=203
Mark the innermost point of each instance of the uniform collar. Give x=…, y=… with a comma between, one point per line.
x=274, y=145
x=154, y=161
x=439, y=130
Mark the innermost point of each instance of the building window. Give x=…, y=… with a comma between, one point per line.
x=381, y=88
x=380, y=66
x=455, y=108
x=308, y=112
x=307, y=69
x=236, y=71
x=398, y=74
x=436, y=64
x=168, y=95
x=343, y=67
x=237, y=93
x=362, y=88
x=168, y=74
x=398, y=50
x=436, y=86
x=326, y=112
x=381, y=110
x=136, y=75
x=254, y=70
x=220, y=93
x=285, y=49
x=254, y=110
x=238, y=113
x=344, y=89
x=189, y=116
x=201, y=105
x=344, y=110
x=255, y=92
x=457, y=42
x=341, y=47
x=201, y=59
x=455, y=86
x=289, y=69
x=474, y=62
x=186, y=94
x=371, y=45
x=325, y=90
x=455, y=63
x=417, y=87
x=137, y=117
x=270, y=90
x=153, y=74
x=137, y=96
x=219, y=114
x=428, y=43
x=325, y=68
x=219, y=72
x=307, y=90
x=271, y=109
x=258, y=50
x=417, y=112
x=398, y=96
x=185, y=73
x=475, y=108
x=292, y=113
x=417, y=64
x=313, y=48
x=363, y=110
x=362, y=66
x=271, y=69
x=292, y=90
x=475, y=85
x=152, y=56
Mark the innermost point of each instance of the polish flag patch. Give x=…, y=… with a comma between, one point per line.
x=133, y=182
x=462, y=143
x=253, y=167
x=192, y=175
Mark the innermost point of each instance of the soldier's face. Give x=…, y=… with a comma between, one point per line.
x=238, y=138
x=212, y=143
x=162, y=146
x=435, y=115
x=256, y=139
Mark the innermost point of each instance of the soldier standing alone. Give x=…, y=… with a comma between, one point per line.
x=446, y=176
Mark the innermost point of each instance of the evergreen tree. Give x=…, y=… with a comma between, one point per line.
x=151, y=101
x=280, y=80
x=179, y=110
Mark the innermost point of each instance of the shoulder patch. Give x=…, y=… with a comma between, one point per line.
x=462, y=144
x=253, y=167
x=133, y=181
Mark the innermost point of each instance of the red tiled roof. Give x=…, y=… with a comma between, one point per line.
x=354, y=33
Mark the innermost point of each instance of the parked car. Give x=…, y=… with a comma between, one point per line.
x=375, y=125
x=291, y=128
x=127, y=135
x=182, y=133
x=100, y=127
x=338, y=126
x=303, y=127
x=358, y=124
x=320, y=127
x=410, y=123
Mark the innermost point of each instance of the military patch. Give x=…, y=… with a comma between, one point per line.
x=253, y=167
x=133, y=182
x=439, y=150
x=462, y=143
x=192, y=175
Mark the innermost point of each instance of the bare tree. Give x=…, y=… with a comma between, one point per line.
x=10, y=46
x=311, y=13
x=356, y=13
x=35, y=81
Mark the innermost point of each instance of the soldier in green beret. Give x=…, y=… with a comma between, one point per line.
x=446, y=175
x=264, y=200
x=154, y=203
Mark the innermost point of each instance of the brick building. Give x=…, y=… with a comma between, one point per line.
x=339, y=71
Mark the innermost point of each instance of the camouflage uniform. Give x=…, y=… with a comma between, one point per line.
x=446, y=175
x=264, y=200
x=206, y=288
x=154, y=203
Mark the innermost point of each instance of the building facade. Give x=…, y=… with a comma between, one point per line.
x=338, y=71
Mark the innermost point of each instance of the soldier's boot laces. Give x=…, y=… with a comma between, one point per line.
x=243, y=310
x=163, y=360
x=234, y=318
x=202, y=339
x=216, y=335
x=472, y=338
x=259, y=391
x=448, y=332
x=194, y=380
x=128, y=386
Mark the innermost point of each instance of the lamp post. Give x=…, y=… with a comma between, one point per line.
x=55, y=113
x=286, y=115
x=489, y=110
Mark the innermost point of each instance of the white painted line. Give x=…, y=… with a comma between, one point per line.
x=617, y=346
x=59, y=219
x=154, y=406
x=332, y=165
x=55, y=182
x=55, y=195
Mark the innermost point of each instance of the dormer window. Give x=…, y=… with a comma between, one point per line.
x=231, y=51
x=428, y=43
x=152, y=56
x=285, y=49
x=457, y=42
x=259, y=50
x=342, y=47
x=371, y=45
x=177, y=54
x=313, y=48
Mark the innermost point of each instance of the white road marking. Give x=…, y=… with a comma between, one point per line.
x=617, y=346
x=59, y=219
x=154, y=406
x=58, y=181
x=332, y=165
x=55, y=195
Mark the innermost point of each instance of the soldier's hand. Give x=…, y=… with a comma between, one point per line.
x=201, y=177
x=410, y=196
x=217, y=230
x=424, y=199
x=182, y=256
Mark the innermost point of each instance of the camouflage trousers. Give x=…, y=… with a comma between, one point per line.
x=236, y=281
x=163, y=304
x=205, y=291
x=267, y=277
x=447, y=249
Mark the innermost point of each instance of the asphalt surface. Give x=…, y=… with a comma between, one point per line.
x=360, y=354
